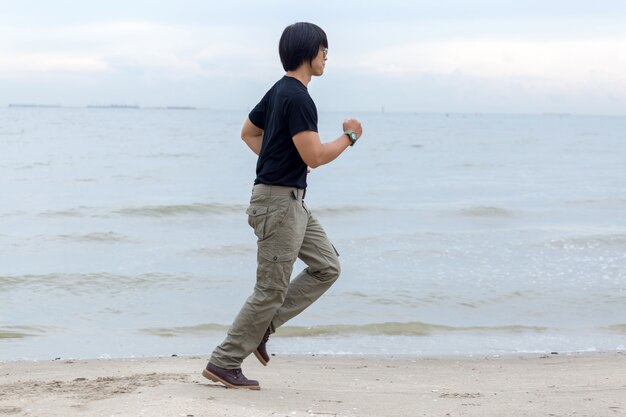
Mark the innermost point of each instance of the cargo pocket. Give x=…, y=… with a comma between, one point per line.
x=256, y=219
x=274, y=267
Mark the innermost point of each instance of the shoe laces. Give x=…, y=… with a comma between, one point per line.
x=266, y=337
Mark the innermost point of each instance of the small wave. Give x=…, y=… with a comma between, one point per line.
x=385, y=329
x=13, y=213
x=199, y=209
x=591, y=201
x=396, y=329
x=194, y=209
x=33, y=166
x=590, y=241
x=78, y=284
x=108, y=237
x=617, y=328
x=486, y=211
x=73, y=212
x=181, y=209
x=337, y=210
x=397, y=298
x=358, y=294
x=4, y=334
x=20, y=332
x=503, y=298
x=186, y=330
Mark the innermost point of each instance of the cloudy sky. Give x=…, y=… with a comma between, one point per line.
x=530, y=56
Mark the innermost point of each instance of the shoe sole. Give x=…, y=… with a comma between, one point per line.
x=260, y=358
x=211, y=376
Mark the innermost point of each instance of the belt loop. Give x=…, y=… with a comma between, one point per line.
x=294, y=193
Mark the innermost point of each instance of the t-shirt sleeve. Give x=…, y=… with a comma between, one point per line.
x=257, y=115
x=301, y=114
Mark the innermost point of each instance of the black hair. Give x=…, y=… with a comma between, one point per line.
x=300, y=43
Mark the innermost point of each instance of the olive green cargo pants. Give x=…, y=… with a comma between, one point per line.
x=286, y=230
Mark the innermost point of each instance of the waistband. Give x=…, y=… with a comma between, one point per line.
x=297, y=193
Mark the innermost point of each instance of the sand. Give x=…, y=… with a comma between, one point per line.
x=323, y=386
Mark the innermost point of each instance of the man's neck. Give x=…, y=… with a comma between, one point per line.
x=302, y=74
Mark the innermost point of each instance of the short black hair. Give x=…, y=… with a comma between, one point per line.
x=300, y=43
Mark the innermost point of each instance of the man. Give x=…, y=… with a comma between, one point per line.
x=282, y=130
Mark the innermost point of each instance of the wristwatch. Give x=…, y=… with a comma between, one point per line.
x=352, y=136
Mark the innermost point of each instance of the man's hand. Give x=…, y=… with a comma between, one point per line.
x=353, y=125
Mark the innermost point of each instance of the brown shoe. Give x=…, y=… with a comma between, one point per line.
x=261, y=351
x=232, y=378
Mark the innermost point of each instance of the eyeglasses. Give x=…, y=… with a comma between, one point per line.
x=325, y=52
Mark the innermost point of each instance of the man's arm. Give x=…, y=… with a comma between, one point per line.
x=252, y=136
x=315, y=153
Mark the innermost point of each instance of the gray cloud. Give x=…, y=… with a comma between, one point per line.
x=407, y=56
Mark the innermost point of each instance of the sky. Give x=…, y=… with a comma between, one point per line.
x=478, y=56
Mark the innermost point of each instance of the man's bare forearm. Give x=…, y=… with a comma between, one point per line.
x=331, y=150
x=254, y=142
x=252, y=136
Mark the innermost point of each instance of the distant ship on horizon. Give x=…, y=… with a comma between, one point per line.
x=113, y=106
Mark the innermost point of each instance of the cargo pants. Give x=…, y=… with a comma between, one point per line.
x=285, y=230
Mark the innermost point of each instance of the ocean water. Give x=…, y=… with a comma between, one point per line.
x=123, y=233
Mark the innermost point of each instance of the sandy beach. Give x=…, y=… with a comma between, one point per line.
x=539, y=385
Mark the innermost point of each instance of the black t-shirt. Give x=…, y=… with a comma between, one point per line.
x=286, y=110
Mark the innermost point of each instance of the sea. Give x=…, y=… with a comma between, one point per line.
x=123, y=233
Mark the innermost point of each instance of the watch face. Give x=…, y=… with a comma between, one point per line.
x=352, y=135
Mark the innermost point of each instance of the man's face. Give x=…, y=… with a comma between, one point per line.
x=319, y=62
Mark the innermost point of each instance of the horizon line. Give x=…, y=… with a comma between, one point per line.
x=121, y=106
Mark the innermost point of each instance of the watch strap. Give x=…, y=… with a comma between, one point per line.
x=351, y=136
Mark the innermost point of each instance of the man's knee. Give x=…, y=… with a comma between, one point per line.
x=331, y=271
